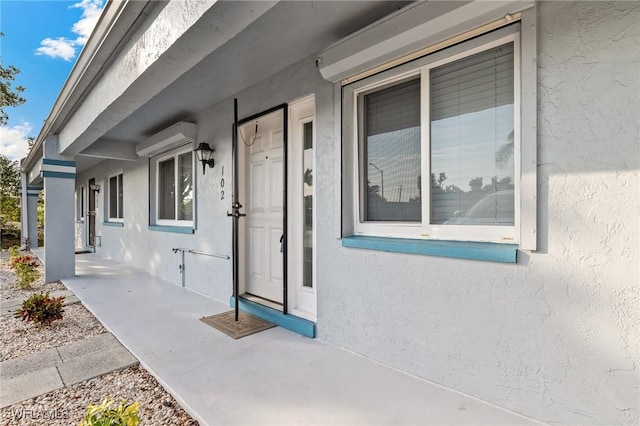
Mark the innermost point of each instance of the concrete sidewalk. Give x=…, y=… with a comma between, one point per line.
x=273, y=377
x=51, y=369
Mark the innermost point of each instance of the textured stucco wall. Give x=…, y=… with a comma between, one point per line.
x=151, y=250
x=554, y=337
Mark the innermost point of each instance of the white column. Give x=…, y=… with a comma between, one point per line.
x=32, y=215
x=59, y=183
x=28, y=212
x=24, y=211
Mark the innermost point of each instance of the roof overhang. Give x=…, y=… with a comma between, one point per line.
x=118, y=20
x=406, y=34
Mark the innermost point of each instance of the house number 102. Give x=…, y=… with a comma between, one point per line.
x=222, y=185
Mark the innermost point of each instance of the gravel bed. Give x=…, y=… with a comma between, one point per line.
x=20, y=338
x=67, y=406
x=8, y=281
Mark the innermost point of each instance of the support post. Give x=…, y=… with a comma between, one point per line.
x=28, y=213
x=59, y=240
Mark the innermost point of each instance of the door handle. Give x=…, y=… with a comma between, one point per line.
x=235, y=210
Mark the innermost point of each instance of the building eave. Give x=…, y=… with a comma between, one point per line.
x=118, y=20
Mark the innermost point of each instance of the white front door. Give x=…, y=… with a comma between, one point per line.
x=261, y=146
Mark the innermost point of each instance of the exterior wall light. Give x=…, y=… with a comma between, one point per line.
x=204, y=153
x=94, y=187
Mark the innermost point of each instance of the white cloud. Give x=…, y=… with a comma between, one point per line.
x=65, y=48
x=91, y=10
x=58, y=48
x=13, y=141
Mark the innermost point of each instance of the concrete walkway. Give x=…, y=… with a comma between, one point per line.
x=55, y=368
x=273, y=377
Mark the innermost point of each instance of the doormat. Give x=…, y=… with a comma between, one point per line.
x=246, y=324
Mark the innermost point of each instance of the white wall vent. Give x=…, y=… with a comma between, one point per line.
x=170, y=137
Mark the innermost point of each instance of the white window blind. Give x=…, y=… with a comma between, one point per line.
x=185, y=187
x=472, y=139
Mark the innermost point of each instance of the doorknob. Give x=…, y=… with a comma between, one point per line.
x=235, y=210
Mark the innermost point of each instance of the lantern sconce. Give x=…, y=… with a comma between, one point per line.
x=204, y=153
x=94, y=187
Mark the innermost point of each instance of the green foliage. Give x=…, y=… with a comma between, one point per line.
x=41, y=309
x=27, y=274
x=26, y=271
x=40, y=209
x=9, y=96
x=14, y=252
x=9, y=183
x=104, y=415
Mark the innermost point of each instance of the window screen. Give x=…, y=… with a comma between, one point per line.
x=120, y=197
x=391, y=153
x=113, y=197
x=166, y=190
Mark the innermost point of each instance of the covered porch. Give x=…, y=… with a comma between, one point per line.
x=273, y=377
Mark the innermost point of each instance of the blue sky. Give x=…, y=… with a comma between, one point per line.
x=42, y=39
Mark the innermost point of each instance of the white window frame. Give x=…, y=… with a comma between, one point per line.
x=175, y=155
x=425, y=230
x=108, y=200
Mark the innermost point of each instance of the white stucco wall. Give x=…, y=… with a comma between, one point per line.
x=554, y=337
x=151, y=250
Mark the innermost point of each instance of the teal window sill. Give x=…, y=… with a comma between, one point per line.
x=492, y=252
x=118, y=224
x=174, y=229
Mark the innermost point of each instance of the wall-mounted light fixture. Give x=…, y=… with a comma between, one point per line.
x=204, y=153
x=94, y=187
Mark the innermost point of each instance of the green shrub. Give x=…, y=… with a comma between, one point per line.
x=14, y=252
x=26, y=273
x=41, y=309
x=104, y=415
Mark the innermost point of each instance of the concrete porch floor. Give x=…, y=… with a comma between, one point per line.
x=273, y=377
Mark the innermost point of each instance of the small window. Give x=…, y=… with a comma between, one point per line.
x=116, y=199
x=175, y=189
x=80, y=203
x=437, y=147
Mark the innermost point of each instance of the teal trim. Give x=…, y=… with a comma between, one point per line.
x=493, y=252
x=31, y=195
x=176, y=229
x=118, y=224
x=46, y=174
x=289, y=322
x=34, y=188
x=58, y=162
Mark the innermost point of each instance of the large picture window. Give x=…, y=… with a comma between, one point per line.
x=175, y=189
x=437, y=148
x=116, y=198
